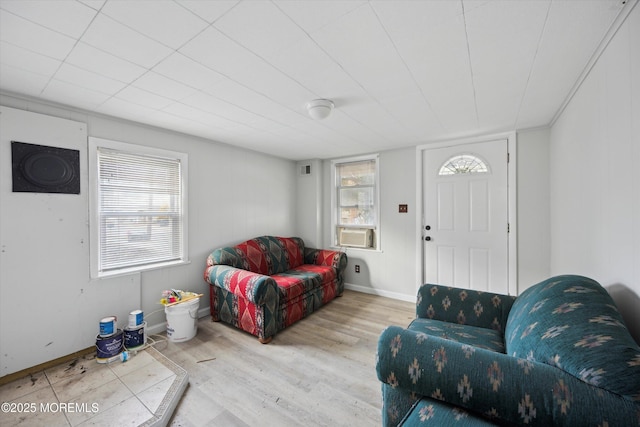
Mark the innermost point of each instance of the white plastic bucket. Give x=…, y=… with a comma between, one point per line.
x=182, y=320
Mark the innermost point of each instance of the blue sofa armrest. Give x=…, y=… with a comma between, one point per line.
x=506, y=389
x=256, y=288
x=464, y=306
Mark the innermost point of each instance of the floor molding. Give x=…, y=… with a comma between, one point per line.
x=379, y=292
x=46, y=365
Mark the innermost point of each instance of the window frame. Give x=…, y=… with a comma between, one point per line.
x=335, y=208
x=94, y=204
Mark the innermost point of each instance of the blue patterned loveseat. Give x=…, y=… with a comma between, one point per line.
x=558, y=355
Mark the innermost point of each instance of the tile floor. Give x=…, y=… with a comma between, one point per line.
x=141, y=391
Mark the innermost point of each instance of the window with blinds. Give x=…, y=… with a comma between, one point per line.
x=139, y=207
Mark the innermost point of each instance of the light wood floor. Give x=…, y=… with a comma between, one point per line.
x=318, y=372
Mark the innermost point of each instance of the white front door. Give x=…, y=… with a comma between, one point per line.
x=465, y=230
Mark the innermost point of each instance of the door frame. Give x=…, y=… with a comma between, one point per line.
x=512, y=239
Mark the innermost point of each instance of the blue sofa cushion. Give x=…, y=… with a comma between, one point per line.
x=572, y=323
x=464, y=306
x=489, y=339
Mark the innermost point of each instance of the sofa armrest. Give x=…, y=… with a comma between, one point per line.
x=335, y=259
x=495, y=385
x=464, y=306
x=254, y=287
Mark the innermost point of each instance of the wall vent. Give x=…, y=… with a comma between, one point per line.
x=305, y=170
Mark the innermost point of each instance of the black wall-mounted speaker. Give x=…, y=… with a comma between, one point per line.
x=44, y=169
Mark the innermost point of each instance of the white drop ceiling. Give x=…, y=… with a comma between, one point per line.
x=401, y=73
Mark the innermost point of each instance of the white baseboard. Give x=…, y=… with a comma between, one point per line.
x=379, y=292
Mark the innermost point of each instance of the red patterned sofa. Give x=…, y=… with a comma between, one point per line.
x=265, y=284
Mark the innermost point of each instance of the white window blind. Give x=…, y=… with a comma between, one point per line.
x=140, y=210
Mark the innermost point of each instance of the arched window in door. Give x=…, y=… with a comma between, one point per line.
x=463, y=164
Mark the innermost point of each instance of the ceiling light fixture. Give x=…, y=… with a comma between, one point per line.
x=320, y=108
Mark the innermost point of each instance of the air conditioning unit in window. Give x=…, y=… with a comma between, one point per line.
x=355, y=237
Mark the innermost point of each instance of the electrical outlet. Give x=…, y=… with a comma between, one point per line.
x=403, y=208
x=357, y=268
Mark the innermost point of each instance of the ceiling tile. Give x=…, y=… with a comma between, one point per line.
x=180, y=68
x=431, y=39
x=260, y=27
x=318, y=72
x=350, y=125
x=152, y=117
x=142, y=97
x=570, y=37
x=125, y=43
x=25, y=34
x=88, y=80
x=505, y=33
x=215, y=122
x=205, y=102
x=66, y=93
x=313, y=15
x=94, y=4
x=17, y=80
x=415, y=114
x=165, y=22
x=121, y=108
x=450, y=98
x=412, y=20
x=216, y=51
x=260, y=105
x=371, y=115
x=164, y=86
x=503, y=40
x=210, y=11
x=68, y=17
x=229, y=111
x=26, y=60
x=95, y=60
x=369, y=55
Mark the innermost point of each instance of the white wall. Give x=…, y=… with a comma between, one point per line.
x=392, y=270
x=595, y=175
x=533, y=207
x=309, y=203
x=46, y=293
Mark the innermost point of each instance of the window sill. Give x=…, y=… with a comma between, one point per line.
x=136, y=270
x=352, y=248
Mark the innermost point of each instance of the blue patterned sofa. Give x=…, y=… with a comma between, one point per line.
x=265, y=284
x=558, y=355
